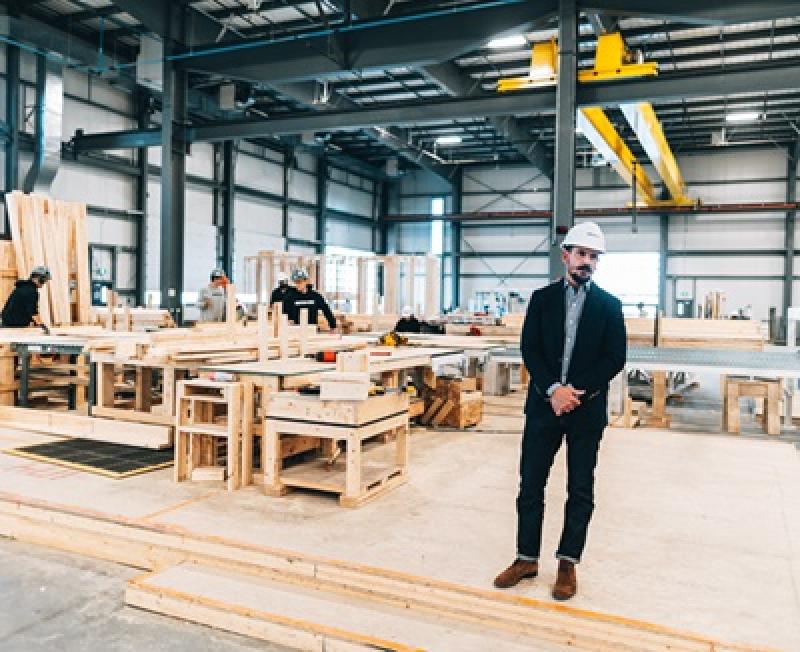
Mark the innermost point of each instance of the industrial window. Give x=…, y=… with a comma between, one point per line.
x=633, y=278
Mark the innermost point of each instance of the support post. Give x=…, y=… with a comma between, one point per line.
x=173, y=174
x=228, y=189
x=564, y=178
x=455, y=240
x=143, y=119
x=12, y=122
x=793, y=156
x=322, y=205
x=288, y=161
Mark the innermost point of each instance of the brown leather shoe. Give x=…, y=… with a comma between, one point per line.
x=518, y=571
x=566, y=581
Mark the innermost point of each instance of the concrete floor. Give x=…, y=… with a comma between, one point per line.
x=695, y=531
x=52, y=600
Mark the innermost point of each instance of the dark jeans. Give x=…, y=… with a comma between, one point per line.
x=540, y=443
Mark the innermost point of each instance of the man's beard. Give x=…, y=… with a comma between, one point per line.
x=578, y=278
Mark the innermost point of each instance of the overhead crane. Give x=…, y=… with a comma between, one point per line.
x=613, y=60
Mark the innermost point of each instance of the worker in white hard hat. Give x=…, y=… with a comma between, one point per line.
x=22, y=306
x=408, y=323
x=302, y=296
x=279, y=293
x=573, y=344
x=212, y=299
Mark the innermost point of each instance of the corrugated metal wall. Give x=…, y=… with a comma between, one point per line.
x=501, y=255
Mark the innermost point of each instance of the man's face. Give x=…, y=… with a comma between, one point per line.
x=301, y=284
x=581, y=262
x=217, y=281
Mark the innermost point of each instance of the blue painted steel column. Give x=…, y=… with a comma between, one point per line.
x=564, y=178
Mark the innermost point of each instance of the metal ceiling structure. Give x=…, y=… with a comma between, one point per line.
x=386, y=79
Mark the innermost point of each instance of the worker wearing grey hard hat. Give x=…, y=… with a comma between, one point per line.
x=211, y=300
x=303, y=297
x=573, y=344
x=22, y=306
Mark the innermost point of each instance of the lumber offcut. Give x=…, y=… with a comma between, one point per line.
x=62, y=424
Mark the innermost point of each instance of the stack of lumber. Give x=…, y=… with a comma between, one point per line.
x=453, y=402
x=710, y=334
x=50, y=232
x=356, y=323
x=641, y=331
x=514, y=321
x=132, y=319
x=8, y=270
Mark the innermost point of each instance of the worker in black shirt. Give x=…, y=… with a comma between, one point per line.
x=22, y=306
x=303, y=297
x=279, y=293
x=408, y=323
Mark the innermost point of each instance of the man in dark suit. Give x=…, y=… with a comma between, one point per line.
x=573, y=344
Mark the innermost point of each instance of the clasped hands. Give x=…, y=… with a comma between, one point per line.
x=565, y=399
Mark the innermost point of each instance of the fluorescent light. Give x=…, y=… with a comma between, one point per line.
x=515, y=41
x=454, y=139
x=743, y=116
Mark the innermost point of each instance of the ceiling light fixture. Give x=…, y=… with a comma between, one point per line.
x=515, y=41
x=453, y=139
x=743, y=116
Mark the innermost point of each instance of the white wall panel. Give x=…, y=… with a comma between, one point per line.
x=422, y=181
x=153, y=235
x=200, y=255
x=504, y=178
x=348, y=234
x=497, y=265
x=693, y=232
x=257, y=216
x=417, y=206
x=518, y=201
x=725, y=265
x=76, y=182
x=513, y=238
x=413, y=237
x=302, y=186
x=201, y=161
x=110, y=231
x=732, y=193
x=302, y=225
x=347, y=199
x=258, y=174
x=78, y=115
x=732, y=165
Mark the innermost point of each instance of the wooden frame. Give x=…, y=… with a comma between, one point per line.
x=197, y=431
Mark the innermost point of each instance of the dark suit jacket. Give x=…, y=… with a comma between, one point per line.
x=598, y=355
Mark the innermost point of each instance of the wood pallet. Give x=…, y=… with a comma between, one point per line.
x=453, y=402
x=54, y=233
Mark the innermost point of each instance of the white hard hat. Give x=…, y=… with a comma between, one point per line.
x=406, y=312
x=585, y=234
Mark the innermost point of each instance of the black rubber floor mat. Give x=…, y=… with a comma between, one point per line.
x=103, y=458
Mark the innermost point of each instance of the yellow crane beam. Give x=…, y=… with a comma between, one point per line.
x=642, y=119
x=605, y=138
x=613, y=60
